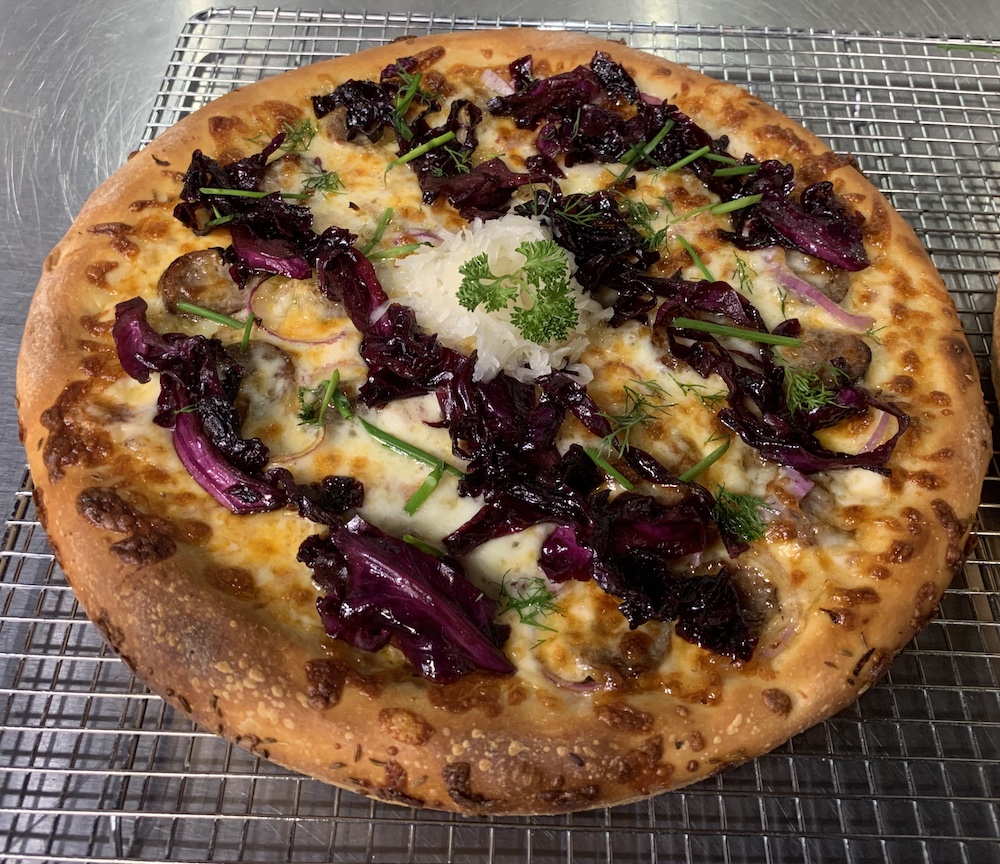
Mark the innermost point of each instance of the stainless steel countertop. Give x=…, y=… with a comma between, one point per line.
x=78, y=78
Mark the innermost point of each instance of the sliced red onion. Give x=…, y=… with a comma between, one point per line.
x=575, y=686
x=649, y=99
x=797, y=483
x=272, y=324
x=798, y=286
x=496, y=83
x=878, y=434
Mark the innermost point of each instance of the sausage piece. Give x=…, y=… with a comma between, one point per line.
x=839, y=358
x=201, y=278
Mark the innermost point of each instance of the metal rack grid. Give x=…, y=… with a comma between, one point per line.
x=97, y=769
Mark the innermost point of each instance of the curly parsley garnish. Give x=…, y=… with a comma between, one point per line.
x=544, y=278
x=739, y=515
x=529, y=599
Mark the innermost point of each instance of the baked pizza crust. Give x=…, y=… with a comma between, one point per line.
x=488, y=745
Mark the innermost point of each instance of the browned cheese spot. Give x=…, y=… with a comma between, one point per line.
x=143, y=549
x=901, y=384
x=624, y=717
x=955, y=530
x=97, y=272
x=777, y=701
x=235, y=581
x=72, y=440
x=472, y=691
x=570, y=799
x=405, y=726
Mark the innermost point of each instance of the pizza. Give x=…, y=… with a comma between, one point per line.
x=500, y=422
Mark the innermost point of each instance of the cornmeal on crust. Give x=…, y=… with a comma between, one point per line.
x=213, y=611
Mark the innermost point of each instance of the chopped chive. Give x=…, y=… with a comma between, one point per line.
x=383, y=223
x=696, y=259
x=404, y=448
x=735, y=204
x=342, y=404
x=430, y=483
x=249, y=193
x=423, y=547
x=245, y=341
x=608, y=468
x=989, y=49
x=637, y=154
x=719, y=157
x=208, y=314
x=395, y=251
x=699, y=467
x=416, y=152
x=736, y=332
x=735, y=170
x=687, y=160
x=324, y=403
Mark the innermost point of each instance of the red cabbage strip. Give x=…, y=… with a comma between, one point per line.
x=758, y=408
x=382, y=590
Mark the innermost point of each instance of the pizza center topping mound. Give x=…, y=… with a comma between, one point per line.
x=471, y=351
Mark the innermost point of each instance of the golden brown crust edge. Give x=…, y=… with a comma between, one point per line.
x=234, y=672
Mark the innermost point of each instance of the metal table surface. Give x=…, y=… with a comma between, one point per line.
x=93, y=768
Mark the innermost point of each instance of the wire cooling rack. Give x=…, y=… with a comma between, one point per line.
x=94, y=768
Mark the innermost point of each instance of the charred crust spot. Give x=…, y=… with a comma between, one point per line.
x=777, y=701
x=840, y=617
x=429, y=56
x=223, y=125
x=576, y=760
x=163, y=163
x=113, y=634
x=394, y=786
x=692, y=766
x=638, y=766
x=911, y=361
x=925, y=606
x=879, y=573
x=965, y=363
x=147, y=203
x=110, y=229
x=458, y=783
x=954, y=529
x=861, y=662
x=851, y=597
x=97, y=272
x=570, y=799
x=624, y=717
x=696, y=742
x=325, y=683
x=405, y=726
x=142, y=549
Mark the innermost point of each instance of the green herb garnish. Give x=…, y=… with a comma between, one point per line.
x=638, y=153
x=739, y=515
x=380, y=226
x=705, y=463
x=745, y=274
x=404, y=448
x=298, y=135
x=417, y=499
x=417, y=152
x=422, y=546
x=529, y=599
x=327, y=182
x=735, y=204
x=314, y=402
x=609, y=469
x=709, y=400
x=687, y=160
x=395, y=251
x=641, y=217
x=218, y=318
x=736, y=332
x=805, y=389
x=544, y=277
x=250, y=193
x=696, y=259
x=641, y=408
x=735, y=170
x=461, y=160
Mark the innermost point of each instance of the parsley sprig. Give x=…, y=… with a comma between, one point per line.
x=544, y=278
